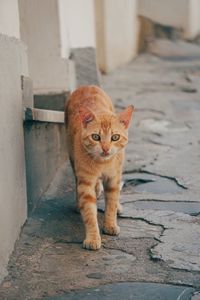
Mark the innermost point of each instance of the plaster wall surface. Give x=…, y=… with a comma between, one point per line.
x=194, y=19
x=183, y=14
x=78, y=21
x=13, y=202
x=9, y=18
x=49, y=67
x=116, y=32
x=45, y=152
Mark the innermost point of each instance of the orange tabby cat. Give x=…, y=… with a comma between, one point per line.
x=96, y=139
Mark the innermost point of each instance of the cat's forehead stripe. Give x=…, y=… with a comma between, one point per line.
x=106, y=125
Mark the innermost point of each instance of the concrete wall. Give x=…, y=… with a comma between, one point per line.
x=9, y=18
x=171, y=12
x=45, y=148
x=116, y=32
x=193, y=28
x=77, y=30
x=13, y=64
x=49, y=67
x=50, y=29
x=77, y=18
x=183, y=14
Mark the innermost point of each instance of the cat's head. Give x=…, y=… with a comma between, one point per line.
x=104, y=135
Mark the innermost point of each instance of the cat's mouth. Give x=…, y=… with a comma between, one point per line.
x=105, y=156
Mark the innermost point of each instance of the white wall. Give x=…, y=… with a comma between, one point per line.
x=193, y=28
x=183, y=14
x=50, y=28
x=40, y=30
x=170, y=12
x=9, y=18
x=116, y=32
x=64, y=32
x=13, y=202
x=77, y=19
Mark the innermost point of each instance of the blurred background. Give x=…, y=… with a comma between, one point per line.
x=47, y=49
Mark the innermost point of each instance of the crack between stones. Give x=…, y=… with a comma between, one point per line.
x=159, y=258
x=148, y=140
x=182, y=293
x=146, y=221
x=157, y=239
x=140, y=219
x=163, y=228
x=185, y=270
x=151, y=110
x=142, y=171
x=62, y=241
x=188, y=285
x=118, y=249
x=157, y=200
x=150, y=250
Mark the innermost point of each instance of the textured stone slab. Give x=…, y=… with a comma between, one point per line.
x=180, y=246
x=139, y=291
x=191, y=208
x=138, y=229
x=180, y=241
x=151, y=183
x=196, y=296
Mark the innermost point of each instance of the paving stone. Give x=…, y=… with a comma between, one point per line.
x=161, y=126
x=154, y=184
x=196, y=296
x=180, y=241
x=139, y=291
x=138, y=229
x=191, y=208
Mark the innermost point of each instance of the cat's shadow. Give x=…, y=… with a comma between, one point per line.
x=58, y=219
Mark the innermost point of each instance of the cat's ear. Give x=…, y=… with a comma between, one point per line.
x=86, y=116
x=126, y=115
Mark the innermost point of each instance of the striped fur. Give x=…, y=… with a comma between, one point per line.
x=89, y=111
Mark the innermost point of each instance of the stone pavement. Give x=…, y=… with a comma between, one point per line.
x=157, y=254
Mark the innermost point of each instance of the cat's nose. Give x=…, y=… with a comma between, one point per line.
x=105, y=151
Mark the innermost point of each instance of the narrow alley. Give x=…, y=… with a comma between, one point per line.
x=157, y=251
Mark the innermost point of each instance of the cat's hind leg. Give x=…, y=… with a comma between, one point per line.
x=119, y=209
x=77, y=210
x=119, y=206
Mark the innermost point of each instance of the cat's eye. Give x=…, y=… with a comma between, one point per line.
x=96, y=137
x=115, y=137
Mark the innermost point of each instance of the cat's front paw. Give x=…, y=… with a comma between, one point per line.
x=111, y=229
x=92, y=244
